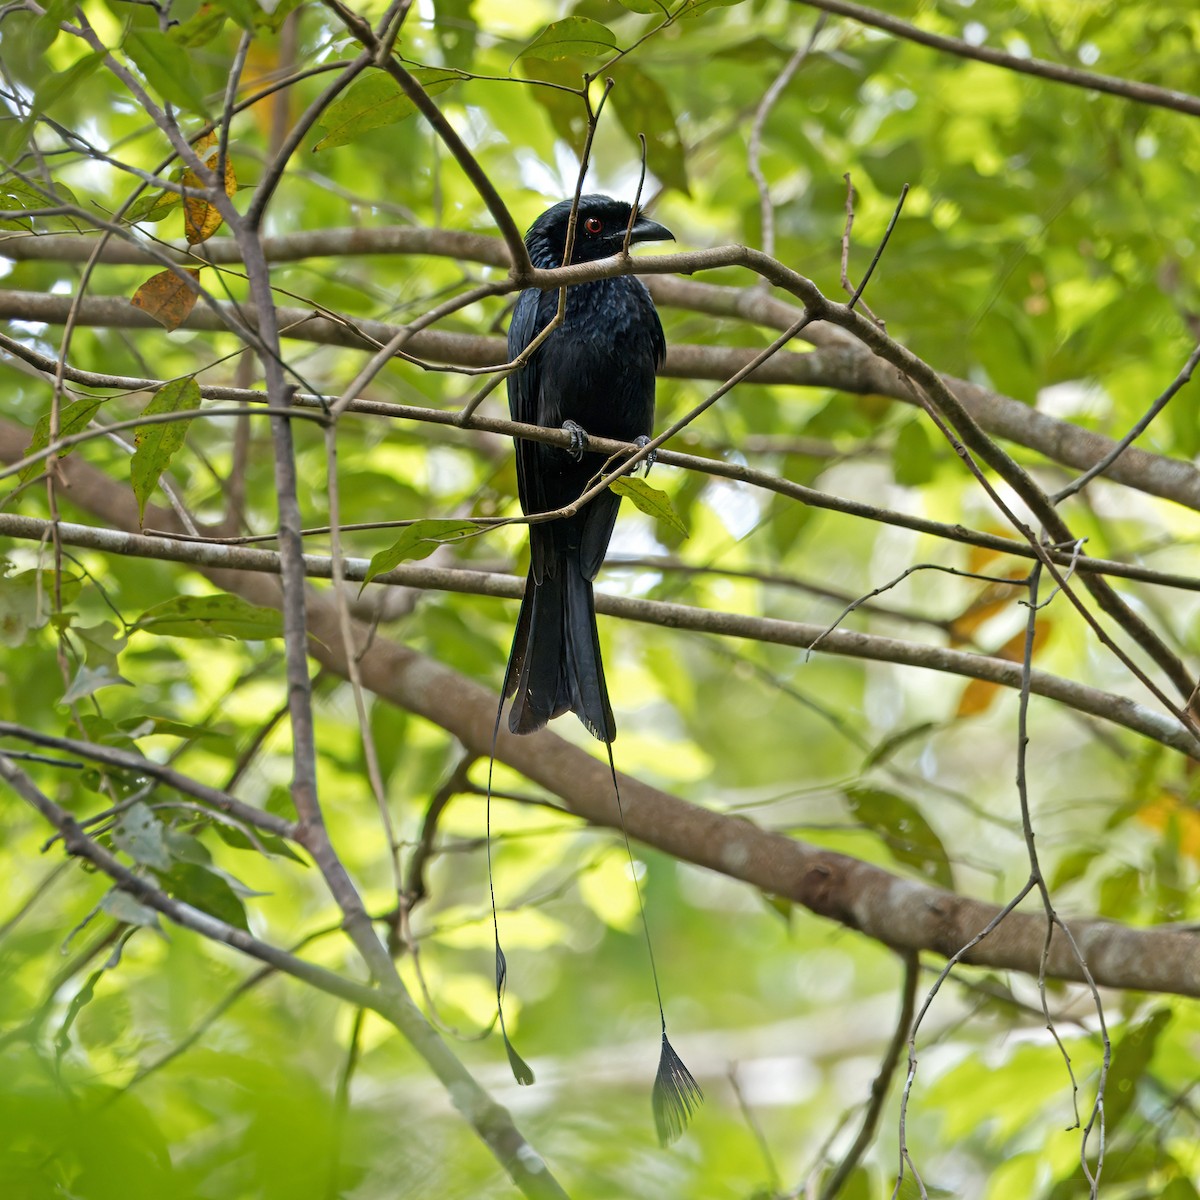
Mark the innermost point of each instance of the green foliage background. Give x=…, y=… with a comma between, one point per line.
x=1047, y=250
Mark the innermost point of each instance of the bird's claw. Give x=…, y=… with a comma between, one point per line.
x=579, y=439
x=651, y=458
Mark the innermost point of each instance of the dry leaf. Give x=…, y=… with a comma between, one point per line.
x=167, y=298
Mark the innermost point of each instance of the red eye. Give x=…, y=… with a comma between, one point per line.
x=593, y=225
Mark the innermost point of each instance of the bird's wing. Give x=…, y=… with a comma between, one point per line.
x=524, y=385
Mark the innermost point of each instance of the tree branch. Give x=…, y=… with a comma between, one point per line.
x=1128, y=89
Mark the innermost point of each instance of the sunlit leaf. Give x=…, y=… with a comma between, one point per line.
x=152, y=207
x=650, y=500
x=418, y=540
x=375, y=100
x=166, y=67
x=573, y=37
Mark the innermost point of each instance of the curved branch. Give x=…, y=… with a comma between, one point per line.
x=217, y=557
x=492, y=1122
x=1128, y=89
x=839, y=362
x=901, y=913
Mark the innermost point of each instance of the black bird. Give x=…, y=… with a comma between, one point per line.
x=592, y=375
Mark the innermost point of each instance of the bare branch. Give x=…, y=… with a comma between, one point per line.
x=1129, y=89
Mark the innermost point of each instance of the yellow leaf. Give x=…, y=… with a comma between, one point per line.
x=201, y=219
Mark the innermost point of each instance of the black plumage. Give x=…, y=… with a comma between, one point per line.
x=594, y=375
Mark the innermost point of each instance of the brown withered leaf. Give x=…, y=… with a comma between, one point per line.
x=201, y=219
x=167, y=298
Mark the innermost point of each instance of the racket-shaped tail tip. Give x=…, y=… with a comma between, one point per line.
x=676, y=1095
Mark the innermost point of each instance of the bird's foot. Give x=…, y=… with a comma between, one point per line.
x=651, y=458
x=579, y=439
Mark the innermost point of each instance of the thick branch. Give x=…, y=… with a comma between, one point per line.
x=839, y=363
x=214, y=556
x=898, y=912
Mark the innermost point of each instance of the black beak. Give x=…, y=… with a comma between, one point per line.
x=646, y=230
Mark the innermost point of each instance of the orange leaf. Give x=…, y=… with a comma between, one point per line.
x=993, y=598
x=201, y=219
x=978, y=557
x=1163, y=809
x=978, y=695
x=977, y=698
x=167, y=298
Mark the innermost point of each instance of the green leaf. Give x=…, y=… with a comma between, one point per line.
x=1130, y=1062
x=376, y=100
x=573, y=37
x=693, y=8
x=903, y=829
x=101, y=644
x=244, y=12
x=139, y=833
x=418, y=540
x=646, y=7
x=210, y=616
x=643, y=106
x=166, y=67
x=651, y=501
x=186, y=848
x=202, y=889
x=456, y=31
x=152, y=207
x=200, y=28
x=61, y=83
x=25, y=603
x=72, y=418
x=148, y=726
x=270, y=842
x=913, y=457
x=157, y=444
x=89, y=680
x=16, y=193
x=566, y=112
x=894, y=742
x=121, y=906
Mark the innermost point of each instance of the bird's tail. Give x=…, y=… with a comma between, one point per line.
x=555, y=665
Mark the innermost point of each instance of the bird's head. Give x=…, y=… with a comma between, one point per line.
x=599, y=231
